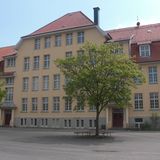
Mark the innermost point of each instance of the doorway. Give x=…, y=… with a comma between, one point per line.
x=7, y=116
x=117, y=118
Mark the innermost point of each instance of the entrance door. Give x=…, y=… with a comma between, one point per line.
x=117, y=118
x=7, y=114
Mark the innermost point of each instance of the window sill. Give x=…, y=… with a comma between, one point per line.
x=33, y=111
x=67, y=111
x=24, y=112
x=154, y=109
x=80, y=111
x=55, y=111
x=44, y=111
x=138, y=110
x=153, y=83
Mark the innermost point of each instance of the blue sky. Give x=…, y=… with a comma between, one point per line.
x=21, y=17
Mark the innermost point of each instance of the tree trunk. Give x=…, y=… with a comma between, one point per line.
x=97, y=123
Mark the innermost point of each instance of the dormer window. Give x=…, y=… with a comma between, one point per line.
x=144, y=50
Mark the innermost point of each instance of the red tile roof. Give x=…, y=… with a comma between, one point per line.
x=68, y=21
x=6, y=51
x=140, y=34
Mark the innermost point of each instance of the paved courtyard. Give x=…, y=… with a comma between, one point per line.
x=50, y=144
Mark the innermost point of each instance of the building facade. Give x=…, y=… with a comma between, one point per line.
x=34, y=85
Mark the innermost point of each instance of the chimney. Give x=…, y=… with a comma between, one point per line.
x=96, y=15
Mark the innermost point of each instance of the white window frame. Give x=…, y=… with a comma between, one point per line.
x=138, y=101
x=35, y=83
x=26, y=64
x=34, y=104
x=46, y=61
x=144, y=50
x=37, y=43
x=24, y=104
x=25, y=84
x=47, y=42
x=154, y=100
x=68, y=104
x=9, y=95
x=69, y=39
x=68, y=54
x=9, y=81
x=45, y=82
x=80, y=37
x=36, y=60
x=56, y=81
x=56, y=104
x=58, y=40
x=45, y=104
x=152, y=71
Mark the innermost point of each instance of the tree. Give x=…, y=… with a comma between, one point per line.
x=100, y=77
x=2, y=92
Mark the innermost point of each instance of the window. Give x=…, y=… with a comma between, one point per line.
x=68, y=104
x=45, y=104
x=9, y=95
x=82, y=123
x=56, y=104
x=137, y=81
x=35, y=83
x=138, y=122
x=92, y=108
x=152, y=75
x=47, y=42
x=34, y=104
x=67, y=123
x=10, y=81
x=66, y=80
x=26, y=63
x=10, y=62
x=138, y=101
x=144, y=50
x=45, y=82
x=68, y=54
x=80, y=104
x=69, y=39
x=90, y=123
x=37, y=43
x=46, y=61
x=24, y=104
x=58, y=40
x=25, y=83
x=118, y=50
x=154, y=102
x=80, y=37
x=56, y=84
x=80, y=53
x=36, y=62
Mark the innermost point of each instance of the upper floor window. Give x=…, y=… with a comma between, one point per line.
x=10, y=81
x=45, y=104
x=80, y=104
x=68, y=54
x=80, y=37
x=144, y=50
x=138, y=101
x=56, y=103
x=9, y=95
x=154, y=102
x=68, y=103
x=10, y=62
x=58, y=40
x=24, y=104
x=25, y=84
x=37, y=43
x=46, y=61
x=47, y=42
x=56, y=79
x=45, y=82
x=35, y=83
x=69, y=39
x=26, y=63
x=34, y=104
x=152, y=74
x=36, y=62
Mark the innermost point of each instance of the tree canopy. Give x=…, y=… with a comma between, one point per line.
x=2, y=91
x=100, y=77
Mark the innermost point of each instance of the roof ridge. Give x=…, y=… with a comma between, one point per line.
x=134, y=27
x=58, y=20
x=7, y=46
